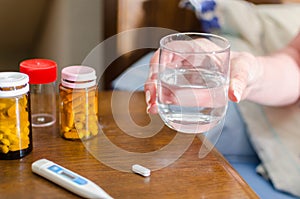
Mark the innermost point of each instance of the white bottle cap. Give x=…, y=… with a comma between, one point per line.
x=78, y=77
x=13, y=84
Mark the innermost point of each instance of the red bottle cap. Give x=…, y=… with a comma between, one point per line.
x=40, y=71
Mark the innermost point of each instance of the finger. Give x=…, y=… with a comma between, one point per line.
x=154, y=65
x=171, y=55
x=238, y=79
x=150, y=84
x=150, y=95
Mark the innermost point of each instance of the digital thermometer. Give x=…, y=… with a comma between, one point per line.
x=68, y=179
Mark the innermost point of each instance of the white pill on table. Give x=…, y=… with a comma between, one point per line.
x=136, y=168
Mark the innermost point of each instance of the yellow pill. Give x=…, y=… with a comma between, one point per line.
x=82, y=108
x=9, y=123
x=2, y=106
x=91, y=111
x=24, y=126
x=4, y=148
x=93, y=118
x=80, y=117
x=14, y=147
x=91, y=100
x=79, y=125
x=5, y=141
x=78, y=101
x=71, y=134
x=66, y=129
x=24, y=120
x=7, y=102
x=12, y=137
x=24, y=143
x=11, y=111
x=15, y=141
x=4, y=129
x=25, y=132
x=23, y=101
x=18, y=147
x=91, y=93
x=3, y=116
x=93, y=129
x=70, y=119
x=73, y=95
x=80, y=135
x=67, y=107
x=83, y=133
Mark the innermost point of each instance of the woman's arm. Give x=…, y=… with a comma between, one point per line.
x=270, y=80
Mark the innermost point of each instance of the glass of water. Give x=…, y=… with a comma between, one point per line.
x=193, y=79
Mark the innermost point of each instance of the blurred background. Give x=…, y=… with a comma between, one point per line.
x=62, y=30
x=67, y=30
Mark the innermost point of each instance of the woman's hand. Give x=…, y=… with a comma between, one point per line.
x=272, y=80
x=245, y=73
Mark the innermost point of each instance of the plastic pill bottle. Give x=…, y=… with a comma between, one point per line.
x=15, y=120
x=78, y=103
x=42, y=78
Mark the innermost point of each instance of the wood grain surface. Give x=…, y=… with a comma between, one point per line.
x=187, y=177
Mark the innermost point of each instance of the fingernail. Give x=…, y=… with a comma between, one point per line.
x=148, y=108
x=148, y=97
x=237, y=95
x=152, y=109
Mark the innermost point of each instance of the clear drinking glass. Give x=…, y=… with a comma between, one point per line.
x=193, y=79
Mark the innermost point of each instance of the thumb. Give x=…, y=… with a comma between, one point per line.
x=150, y=84
x=239, y=76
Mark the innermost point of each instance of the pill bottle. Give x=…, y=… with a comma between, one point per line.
x=78, y=103
x=42, y=78
x=15, y=120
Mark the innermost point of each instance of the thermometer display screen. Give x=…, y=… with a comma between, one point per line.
x=68, y=175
